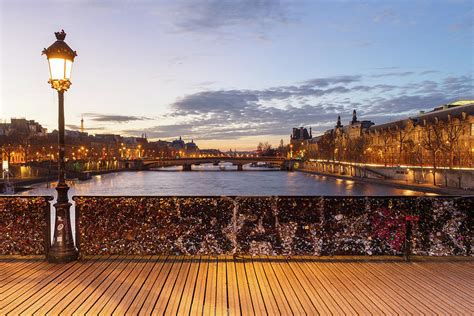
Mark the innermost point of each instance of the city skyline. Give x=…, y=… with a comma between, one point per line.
x=230, y=74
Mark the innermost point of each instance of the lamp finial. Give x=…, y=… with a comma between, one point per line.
x=60, y=36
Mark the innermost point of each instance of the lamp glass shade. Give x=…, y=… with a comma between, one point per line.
x=60, y=69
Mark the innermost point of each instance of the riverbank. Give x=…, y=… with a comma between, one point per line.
x=24, y=183
x=399, y=184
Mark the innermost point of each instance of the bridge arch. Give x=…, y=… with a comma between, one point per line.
x=188, y=162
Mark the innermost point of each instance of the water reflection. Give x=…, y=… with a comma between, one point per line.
x=200, y=182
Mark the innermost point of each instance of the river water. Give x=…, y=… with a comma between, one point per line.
x=210, y=180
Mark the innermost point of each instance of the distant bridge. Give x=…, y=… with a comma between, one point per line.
x=146, y=163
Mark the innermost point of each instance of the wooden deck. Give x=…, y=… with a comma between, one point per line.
x=224, y=285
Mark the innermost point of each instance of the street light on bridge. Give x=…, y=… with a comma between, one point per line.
x=60, y=58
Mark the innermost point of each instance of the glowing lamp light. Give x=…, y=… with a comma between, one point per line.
x=60, y=58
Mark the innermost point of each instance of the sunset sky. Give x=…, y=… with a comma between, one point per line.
x=232, y=73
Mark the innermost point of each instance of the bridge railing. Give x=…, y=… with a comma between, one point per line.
x=24, y=225
x=281, y=225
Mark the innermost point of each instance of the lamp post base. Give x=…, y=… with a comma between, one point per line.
x=62, y=255
x=62, y=249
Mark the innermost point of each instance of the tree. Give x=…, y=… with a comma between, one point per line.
x=400, y=134
x=386, y=139
x=432, y=141
x=313, y=151
x=327, y=146
x=451, y=132
x=282, y=149
x=265, y=149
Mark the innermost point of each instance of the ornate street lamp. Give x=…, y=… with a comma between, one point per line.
x=60, y=58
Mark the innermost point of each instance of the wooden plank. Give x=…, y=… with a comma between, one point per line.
x=136, y=286
x=462, y=267
x=23, y=274
x=64, y=297
x=38, y=299
x=383, y=291
x=119, y=289
x=221, y=294
x=286, y=286
x=303, y=297
x=164, y=298
x=441, y=292
x=159, y=285
x=15, y=267
x=72, y=300
x=197, y=304
x=256, y=294
x=394, y=289
x=97, y=292
x=7, y=266
x=147, y=287
x=27, y=287
x=359, y=291
x=318, y=286
x=451, y=281
x=266, y=289
x=108, y=293
x=14, y=275
x=373, y=301
x=454, y=275
x=275, y=286
x=246, y=302
x=181, y=282
x=347, y=290
x=191, y=283
x=388, y=272
x=313, y=292
x=232, y=287
x=211, y=287
x=325, y=280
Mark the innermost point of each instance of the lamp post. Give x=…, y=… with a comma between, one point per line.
x=60, y=58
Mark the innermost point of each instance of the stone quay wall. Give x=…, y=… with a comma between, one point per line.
x=281, y=225
x=24, y=225
x=448, y=178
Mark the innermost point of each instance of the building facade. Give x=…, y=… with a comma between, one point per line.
x=443, y=137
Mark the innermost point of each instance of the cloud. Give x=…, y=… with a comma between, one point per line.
x=400, y=105
x=385, y=68
x=114, y=118
x=462, y=86
x=78, y=128
x=227, y=19
x=394, y=74
x=403, y=73
x=236, y=113
x=213, y=14
x=429, y=72
x=324, y=82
